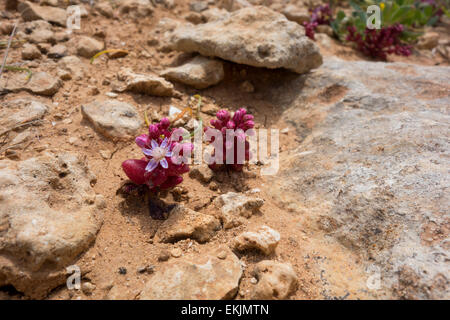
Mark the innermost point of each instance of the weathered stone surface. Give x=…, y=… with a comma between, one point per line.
x=371, y=168
x=232, y=207
x=233, y=5
x=44, y=84
x=254, y=36
x=48, y=216
x=105, y=9
x=198, y=277
x=30, y=52
x=38, y=31
x=19, y=111
x=73, y=65
x=202, y=172
x=31, y=11
x=199, y=72
x=113, y=118
x=57, y=51
x=276, y=280
x=88, y=47
x=185, y=223
x=136, y=8
x=143, y=83
x=40, y=83
x=264, y=239
x=293, y=13
x=428, y=41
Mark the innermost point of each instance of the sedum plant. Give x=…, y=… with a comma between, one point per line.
x=163, y=163
x=237, y=125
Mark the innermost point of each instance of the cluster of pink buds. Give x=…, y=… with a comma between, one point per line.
x=379, y=43
x=319, y=15
x=236, y=127
x=164, y=158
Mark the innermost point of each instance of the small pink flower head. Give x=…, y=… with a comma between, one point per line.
x=239, y=123
x=158, y=168
x=157, y=154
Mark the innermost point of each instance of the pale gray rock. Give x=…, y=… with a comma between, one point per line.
x=88, y=47
x=185, y=223
x=31, y=11
x=276, y=280
x=255, y=36
x=74, y=66
x=112, y=118
x=371, y=167
x=293, y=13
x=265, y=239
x=30, y=52
x=200, y=72
x=136, y=8
x=196, y=277
x=143, y=83
x=48, y=217
x=233, y=207
x=40, y=83
x=19, y=111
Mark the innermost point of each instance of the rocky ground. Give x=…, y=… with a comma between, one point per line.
x=357, y=210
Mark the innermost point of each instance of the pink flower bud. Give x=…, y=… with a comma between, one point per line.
x=142, y=140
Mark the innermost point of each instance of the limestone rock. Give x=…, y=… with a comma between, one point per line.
x=73, y=65
x=144, y=83
x=31, y=11
x=38, y=31
x=44, y=84
x=255, y=36
x=48, y=217
x=185, y=223
x=428, y=41
x=19, y=111
x=199, y=72
x=105, y=9
x=30, y=52
x=276, y=280
x=88, y=47
x=114, y=119
x=233, y=206
x=136, y=8
x=202, y=172
x=40, y=83
x=198, y=277
x=57, y=51
x=293, y=13
x=370, y=168
x=265, y=239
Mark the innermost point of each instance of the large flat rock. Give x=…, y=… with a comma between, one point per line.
x=48, y=216
x=256, y=36
x=372, y=167
x=211, y=276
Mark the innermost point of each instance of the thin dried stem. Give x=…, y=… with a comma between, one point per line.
x=7, y=50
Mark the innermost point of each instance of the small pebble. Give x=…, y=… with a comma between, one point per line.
x=222, y=255
x=122, y=270
x=176, y=253
x=164, y=256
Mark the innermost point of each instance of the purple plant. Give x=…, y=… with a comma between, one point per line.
x=238, y=124
x=162, y=165
x=319, y=15
x=378, y=43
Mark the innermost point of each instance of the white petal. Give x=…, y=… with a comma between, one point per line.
x=154, y=144
x=147, y=152
x=168, y=153
x=164, y=143
x=164, y=163
x=152, y=164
